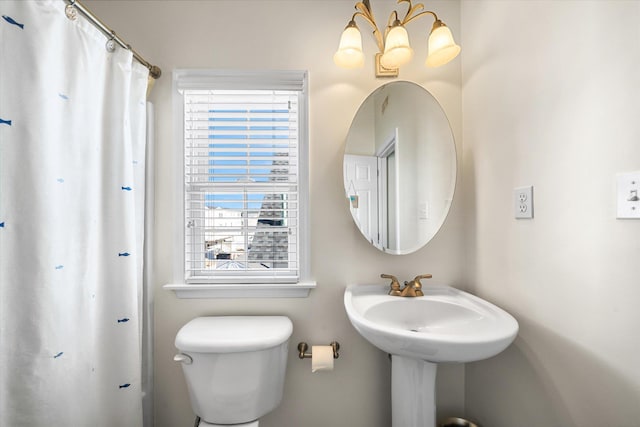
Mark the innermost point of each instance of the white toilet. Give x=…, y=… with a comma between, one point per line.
x=234, y=366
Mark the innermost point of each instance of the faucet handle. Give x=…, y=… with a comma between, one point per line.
x=418, y=286
x=422, y=276
x=395, y=284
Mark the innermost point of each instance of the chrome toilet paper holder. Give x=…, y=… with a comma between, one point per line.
x=303, y=347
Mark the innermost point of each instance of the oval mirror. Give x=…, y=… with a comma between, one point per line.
x=399, y=167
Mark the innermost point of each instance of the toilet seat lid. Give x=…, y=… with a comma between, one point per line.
x=233, y=334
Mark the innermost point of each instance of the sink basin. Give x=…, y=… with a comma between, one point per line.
x=444, y=325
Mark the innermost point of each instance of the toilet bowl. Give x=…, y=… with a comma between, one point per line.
x=234, y=366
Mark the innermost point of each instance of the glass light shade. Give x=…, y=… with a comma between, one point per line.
x=396, y=48
x=349, y=54
x=442, y=47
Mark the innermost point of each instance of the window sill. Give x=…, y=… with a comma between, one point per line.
x=242, y=290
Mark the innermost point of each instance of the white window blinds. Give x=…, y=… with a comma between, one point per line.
x=241, y=171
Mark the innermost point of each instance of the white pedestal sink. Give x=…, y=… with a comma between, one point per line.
x=444, y=325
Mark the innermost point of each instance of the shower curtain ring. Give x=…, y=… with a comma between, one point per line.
x=71, y=11
x=111, y=43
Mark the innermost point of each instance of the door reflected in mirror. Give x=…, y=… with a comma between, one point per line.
x=399, y=167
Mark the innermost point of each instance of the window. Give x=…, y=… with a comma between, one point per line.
x=244, y=176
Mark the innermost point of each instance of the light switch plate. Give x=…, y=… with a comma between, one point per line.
x=628, y=195
x=523, y=202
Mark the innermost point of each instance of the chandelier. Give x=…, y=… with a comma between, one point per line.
x=393, y=45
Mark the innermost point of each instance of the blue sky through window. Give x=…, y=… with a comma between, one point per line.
x=231, y=161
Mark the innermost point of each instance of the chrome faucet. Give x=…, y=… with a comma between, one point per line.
x=411, y=289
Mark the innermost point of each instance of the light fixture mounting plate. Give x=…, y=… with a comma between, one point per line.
x=382, y=71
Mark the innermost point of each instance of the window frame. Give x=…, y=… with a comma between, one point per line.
x=184, y=79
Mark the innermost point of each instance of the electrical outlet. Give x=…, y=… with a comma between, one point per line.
x=523, y=202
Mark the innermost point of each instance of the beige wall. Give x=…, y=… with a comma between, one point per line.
x=294, y=35
x=551, y=98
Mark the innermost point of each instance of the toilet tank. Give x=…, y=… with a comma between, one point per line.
x=237, y=367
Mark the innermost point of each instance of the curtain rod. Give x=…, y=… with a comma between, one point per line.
x=154, y=71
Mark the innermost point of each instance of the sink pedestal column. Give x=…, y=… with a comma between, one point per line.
x=413, y=395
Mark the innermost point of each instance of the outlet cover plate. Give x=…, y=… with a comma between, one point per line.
x=628, y=195
x=523, y=202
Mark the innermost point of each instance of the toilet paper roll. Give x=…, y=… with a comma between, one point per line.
x=321, y=358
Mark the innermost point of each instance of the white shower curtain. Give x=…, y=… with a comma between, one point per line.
x=72, y=158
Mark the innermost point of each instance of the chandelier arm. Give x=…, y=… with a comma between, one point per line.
x=391, y=19
x=408, y=19
x=410, y=9
x=365, y=13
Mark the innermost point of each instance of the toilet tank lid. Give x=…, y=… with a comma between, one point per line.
x=232, y=334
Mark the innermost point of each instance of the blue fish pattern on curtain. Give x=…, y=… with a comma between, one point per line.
x=60, y=285
x=10, y=20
